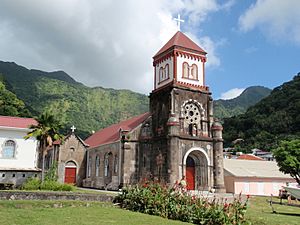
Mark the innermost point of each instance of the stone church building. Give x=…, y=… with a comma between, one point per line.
x=177, y=138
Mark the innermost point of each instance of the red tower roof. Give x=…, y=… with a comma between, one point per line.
x=180, y=40
x=17, y=122
x=112, y=133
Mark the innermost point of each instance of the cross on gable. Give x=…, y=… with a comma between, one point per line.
x=73, y=128
x=178, y=20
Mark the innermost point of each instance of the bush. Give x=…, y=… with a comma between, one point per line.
x=31, y=184
x=155, y=199
x=49, y=185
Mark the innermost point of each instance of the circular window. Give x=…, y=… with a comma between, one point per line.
x=191, y=113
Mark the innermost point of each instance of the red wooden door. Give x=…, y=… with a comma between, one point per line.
x=70, y=175
x=190, y=178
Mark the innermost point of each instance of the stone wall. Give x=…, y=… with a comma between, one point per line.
x=23, y=195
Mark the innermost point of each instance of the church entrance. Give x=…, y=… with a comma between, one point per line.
x=190, y=173
x=70, y=173
x=196, y=169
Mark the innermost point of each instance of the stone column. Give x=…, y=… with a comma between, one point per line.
x=218, y=157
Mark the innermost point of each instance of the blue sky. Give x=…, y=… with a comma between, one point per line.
x=111, y=43
x=247, y=58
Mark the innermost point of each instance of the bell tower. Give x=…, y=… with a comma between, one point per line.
x=182, y=118
x=180, y=61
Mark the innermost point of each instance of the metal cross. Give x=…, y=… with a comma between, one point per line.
x=73, y=129
x=178, y=20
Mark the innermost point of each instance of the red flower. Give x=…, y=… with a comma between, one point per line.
x=248, y=196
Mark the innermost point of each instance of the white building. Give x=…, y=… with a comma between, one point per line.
x=18, y=157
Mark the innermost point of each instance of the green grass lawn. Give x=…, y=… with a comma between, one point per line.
x=72, y=212
x=76, y=212
x=260, y=212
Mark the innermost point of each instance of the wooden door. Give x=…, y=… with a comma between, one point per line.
x=190, y=173
x=70, y=175
x=190, y=178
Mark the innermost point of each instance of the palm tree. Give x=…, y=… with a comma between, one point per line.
x=46, y=131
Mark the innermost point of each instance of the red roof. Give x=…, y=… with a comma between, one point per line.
x=249, y=157
x=181, y=40
x=111, y=134
x=17, y=122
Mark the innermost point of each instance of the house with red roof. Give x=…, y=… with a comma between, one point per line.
x=18, y=157
x=177, y=139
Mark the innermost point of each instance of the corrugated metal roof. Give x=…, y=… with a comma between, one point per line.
x=253, y=168
x=17, y=122
x=112, y=133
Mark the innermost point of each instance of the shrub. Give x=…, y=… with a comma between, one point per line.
x=155, y=199
x=31, y=184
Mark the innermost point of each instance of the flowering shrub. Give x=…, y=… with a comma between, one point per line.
x=155, y=199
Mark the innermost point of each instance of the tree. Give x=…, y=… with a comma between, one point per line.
x=287, y=156
x=46, y=131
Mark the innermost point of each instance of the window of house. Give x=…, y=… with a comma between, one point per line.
x=89, y=167
x=116, y=164
x=9, y=149
x=106, y=165
x=97, y=162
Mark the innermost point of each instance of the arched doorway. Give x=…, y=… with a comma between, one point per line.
x=190, y=173
x=196, y=169
x=70, y=172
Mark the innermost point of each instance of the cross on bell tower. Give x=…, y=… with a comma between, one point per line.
x=178, y=20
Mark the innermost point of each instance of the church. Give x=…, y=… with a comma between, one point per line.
x=177, y=138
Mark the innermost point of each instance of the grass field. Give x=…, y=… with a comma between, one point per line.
x=260, y=212
x=71, y=212
x=74, y=212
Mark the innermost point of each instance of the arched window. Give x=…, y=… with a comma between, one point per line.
x=106, y=165
x=89, y=167
x=116, y=164
x=166, y=71
x=9, y=149
x=194, y=72
x=97, y=165
x=161, y=73
x=185, y=70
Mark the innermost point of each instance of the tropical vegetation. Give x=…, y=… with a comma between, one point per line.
x=156, y=199
x=273, y=119
x=89, y=109
x=45, y=131
x=287, y=156
x=10, y=105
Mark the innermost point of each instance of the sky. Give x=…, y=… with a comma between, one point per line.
x=111, y=43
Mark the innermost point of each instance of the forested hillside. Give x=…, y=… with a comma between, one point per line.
x=239, y=105
x=10, y=105
x=274, y=118
x=89, y=109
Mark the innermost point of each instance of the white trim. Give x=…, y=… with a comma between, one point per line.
x=196, y=149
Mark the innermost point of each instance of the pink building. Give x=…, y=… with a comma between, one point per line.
x=254, y=177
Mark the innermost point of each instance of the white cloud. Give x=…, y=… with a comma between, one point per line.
x=98, y=42
x=251, y=50
x=232, y=93
x=278, y=20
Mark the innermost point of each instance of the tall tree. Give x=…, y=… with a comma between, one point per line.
x=287, y=156
x=46, y=131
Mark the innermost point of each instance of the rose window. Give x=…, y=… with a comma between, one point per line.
x=192, y=113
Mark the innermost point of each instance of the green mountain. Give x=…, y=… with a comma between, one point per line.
x=10, y=105
x=274, y=118
x=239, y=105
x=89, y=109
